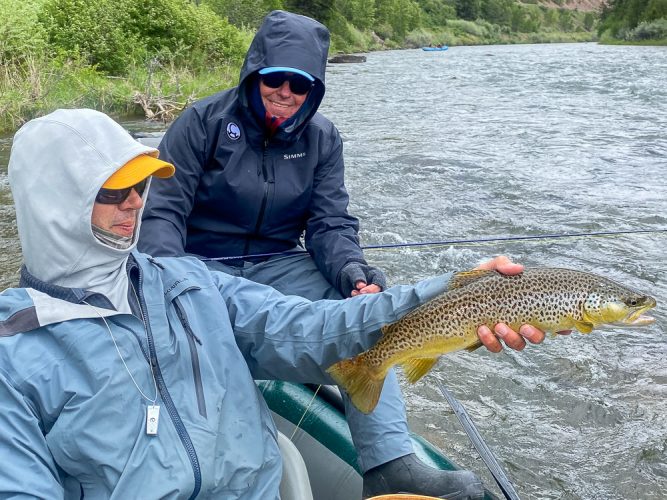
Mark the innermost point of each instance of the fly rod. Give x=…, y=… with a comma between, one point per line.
x=495, y=239
x=484, y=451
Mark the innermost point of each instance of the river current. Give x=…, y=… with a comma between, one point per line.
x=498, y=141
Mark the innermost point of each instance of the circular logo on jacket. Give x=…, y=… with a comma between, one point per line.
x=233, y=131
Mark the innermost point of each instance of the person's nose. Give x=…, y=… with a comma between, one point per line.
x=133, y=201
x=284, y=90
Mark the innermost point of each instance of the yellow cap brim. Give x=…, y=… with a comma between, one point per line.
x=136, y=170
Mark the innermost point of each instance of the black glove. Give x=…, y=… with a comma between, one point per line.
x=356, y=271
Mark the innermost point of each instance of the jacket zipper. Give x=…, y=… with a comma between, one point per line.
x=194, y=356
x=262, y=208
x=166, y=397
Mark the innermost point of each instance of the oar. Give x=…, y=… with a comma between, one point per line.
x=484, y=451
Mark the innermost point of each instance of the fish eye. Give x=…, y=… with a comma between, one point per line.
x=633, y=302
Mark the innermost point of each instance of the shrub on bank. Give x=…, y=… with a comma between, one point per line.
x=112, y=35
x=654, y=30
x=21, y=34
x=193, y=35
x=36, y=86
x=95, y=32
x=420, y=38
x=345, y=37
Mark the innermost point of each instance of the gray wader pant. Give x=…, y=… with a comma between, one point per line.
x=378, y=437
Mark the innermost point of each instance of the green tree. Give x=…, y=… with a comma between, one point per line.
x=497, y=11
x=619, y=16
x=322, y=10
x=525, y=19
x=589, y=21
x=437, y=12
x=656, y=9
x=469, y=9
x=21, y=33
x=243, y=13
x=94, y=31
x=401, y=16
x=359, y=13
x=565, y=21
x=550, y=18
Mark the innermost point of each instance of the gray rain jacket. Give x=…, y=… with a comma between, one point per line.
x=235, y=191
x=72, y=420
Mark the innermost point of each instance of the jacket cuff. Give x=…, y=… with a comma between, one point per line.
x=432, y=287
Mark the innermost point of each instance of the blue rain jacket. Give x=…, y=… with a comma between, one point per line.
x=236, y=191
x=72, y=421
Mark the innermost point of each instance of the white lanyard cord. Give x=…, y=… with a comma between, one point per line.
x=152, y=401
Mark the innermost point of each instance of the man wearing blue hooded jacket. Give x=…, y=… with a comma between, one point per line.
x=257, y=167
x=128, y=376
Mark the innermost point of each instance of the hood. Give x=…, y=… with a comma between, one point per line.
x=293, y=41
x=57, y=165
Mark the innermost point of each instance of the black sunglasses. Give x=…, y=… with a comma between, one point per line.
x=117, y=196
x=298, y=84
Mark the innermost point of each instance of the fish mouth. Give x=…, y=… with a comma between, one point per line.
x=634, y=320
x=638, y=318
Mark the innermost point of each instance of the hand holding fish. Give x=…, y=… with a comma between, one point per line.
x=512, y=339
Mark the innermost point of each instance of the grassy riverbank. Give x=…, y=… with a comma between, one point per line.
x=605, y=40
x=38, y=87
x=123, y=57
x=160, y=91
x=152, y=58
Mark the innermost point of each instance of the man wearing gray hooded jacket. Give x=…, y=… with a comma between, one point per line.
x=128, y=376
x=100, y=394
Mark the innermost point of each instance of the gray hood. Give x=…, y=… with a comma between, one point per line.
x=57, y=165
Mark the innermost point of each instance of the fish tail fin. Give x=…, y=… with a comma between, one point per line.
x=361, y=382
x=416, y=368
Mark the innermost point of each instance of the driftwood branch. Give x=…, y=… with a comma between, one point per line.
x=160, y=108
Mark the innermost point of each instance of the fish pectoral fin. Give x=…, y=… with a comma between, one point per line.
x=474, y=346
x=466, y=277
x=416, y=368
x=583, y=326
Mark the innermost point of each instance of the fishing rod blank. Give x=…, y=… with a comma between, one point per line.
x=473, y=241
x=484, y=451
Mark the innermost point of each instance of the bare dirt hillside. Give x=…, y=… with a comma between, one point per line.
x=581, y=5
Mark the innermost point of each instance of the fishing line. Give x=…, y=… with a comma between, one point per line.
x=471, y=241
x=305, y=412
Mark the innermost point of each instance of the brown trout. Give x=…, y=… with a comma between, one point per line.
x=550, y=299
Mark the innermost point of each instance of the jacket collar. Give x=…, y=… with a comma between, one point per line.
x=73, y=295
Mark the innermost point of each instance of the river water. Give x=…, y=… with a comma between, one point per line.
x=498, y=141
